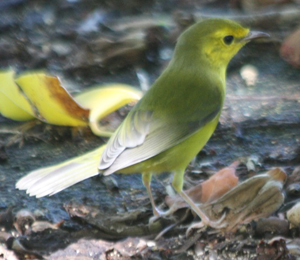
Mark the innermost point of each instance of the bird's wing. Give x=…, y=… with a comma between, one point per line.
x=141, y=137
x=131, y=133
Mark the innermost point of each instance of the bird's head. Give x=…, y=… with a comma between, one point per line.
x=215, y=40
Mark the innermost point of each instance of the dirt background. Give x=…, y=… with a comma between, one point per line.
x=68, y=39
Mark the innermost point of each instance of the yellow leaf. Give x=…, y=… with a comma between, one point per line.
x=103, y=100
x=13, y=104
x=52, y=103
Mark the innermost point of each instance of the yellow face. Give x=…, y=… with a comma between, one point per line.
x=221, y=45
x=215, y=40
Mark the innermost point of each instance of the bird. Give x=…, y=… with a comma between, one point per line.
x=171, y=123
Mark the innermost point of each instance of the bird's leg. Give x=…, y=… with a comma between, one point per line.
x=156, y=212
x=178, y=185
x=147, y=180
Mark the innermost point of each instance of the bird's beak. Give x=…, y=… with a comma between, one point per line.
x=254, y=35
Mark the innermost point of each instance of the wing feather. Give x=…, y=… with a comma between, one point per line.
x=161, y=137
x=167, y=115
x=131, y=133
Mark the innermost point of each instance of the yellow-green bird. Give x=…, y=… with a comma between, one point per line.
x=173, y=121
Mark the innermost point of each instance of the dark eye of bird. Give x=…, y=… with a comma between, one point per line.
x=228, y=39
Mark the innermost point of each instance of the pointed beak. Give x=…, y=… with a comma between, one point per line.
x=252, y=35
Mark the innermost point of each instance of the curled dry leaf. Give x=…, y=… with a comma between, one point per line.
x=252, y=199
x=209, y=190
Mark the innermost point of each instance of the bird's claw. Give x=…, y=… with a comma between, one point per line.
x=153, y=219
x=198, y=225
x=218, y=224
x=157, y=214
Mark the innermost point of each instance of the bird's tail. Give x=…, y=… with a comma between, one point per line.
x=52, y=179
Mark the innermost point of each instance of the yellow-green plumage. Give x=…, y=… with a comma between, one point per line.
x=178, y=115
x=182, y=106
x=174, y=119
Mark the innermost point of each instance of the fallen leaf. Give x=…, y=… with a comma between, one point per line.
x=252, y=199
x=221, y=182
x=209, y=190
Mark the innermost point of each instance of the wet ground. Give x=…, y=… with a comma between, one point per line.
x=66, y=39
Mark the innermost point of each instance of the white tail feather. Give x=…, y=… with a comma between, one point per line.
x=53, y=179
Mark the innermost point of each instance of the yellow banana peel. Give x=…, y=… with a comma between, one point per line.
x=13, y=103
x=103, y=100
x=52, y=102
x=38, y=95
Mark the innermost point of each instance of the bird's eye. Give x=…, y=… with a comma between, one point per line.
x=228, y=39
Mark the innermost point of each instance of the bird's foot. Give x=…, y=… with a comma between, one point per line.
x=157, y=213
x=218, y=224
x=197, y=225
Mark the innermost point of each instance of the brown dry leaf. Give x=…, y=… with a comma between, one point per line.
x=221, y=182
x=252, y=199
x=290, y=49
x=209, y=190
